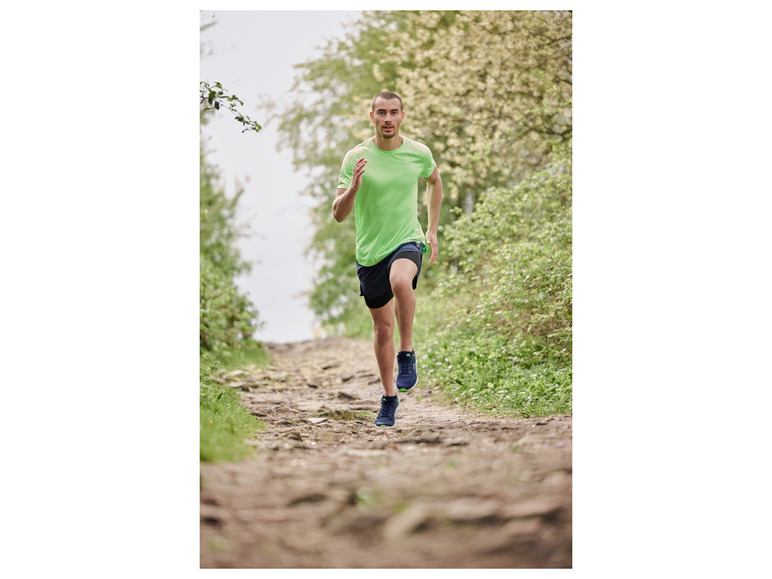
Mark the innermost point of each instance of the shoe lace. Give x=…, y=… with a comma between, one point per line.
x=387, y=409
x=405, y=364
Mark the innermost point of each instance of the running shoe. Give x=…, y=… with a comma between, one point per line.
x=408, y=375
x=389, y=406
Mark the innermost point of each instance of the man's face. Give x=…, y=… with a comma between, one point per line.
x=387, y=117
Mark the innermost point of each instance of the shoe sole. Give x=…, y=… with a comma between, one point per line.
x=408, y=389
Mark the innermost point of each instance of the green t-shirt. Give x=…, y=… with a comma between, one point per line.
x=386, y=205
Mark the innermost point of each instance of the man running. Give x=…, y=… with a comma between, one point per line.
x=379, y=182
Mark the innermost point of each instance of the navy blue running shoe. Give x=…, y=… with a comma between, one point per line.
x=389, y=406
x=408, y=375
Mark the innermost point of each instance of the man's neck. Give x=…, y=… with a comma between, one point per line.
x=388, y=144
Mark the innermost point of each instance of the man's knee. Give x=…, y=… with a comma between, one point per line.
x=401, y=285
x=401, y=278
x=384, y=329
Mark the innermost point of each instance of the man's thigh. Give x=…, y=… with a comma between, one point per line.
x=403, y=271
x=383, y=319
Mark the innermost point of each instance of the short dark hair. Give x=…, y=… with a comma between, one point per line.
x=388, y=95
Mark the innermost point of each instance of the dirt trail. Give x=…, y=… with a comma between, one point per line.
x=443, y=488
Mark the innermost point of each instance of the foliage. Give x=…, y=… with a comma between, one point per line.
x=225, y=423
x=227, y=320
x=250, y=353
x=489, y=92
x=227, y=316
x=213, y=97
x=336, y=87
x=498, y=330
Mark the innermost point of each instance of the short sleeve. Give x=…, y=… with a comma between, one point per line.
x=346, y=171
x=429, y=165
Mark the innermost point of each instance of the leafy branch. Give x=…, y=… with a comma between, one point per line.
x=215, y=97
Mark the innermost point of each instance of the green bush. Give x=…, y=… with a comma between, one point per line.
x=498, y=330
x=227, y=321
x=227, y=316
x=225, y=423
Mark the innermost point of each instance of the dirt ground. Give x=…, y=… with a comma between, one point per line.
x=326, y=488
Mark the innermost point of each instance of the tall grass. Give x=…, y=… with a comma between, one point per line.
x=225, y=422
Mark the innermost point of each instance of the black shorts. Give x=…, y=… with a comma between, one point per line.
x=374, y=284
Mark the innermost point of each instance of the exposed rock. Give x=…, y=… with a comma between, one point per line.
x=326, y=488
x=532, y=508
x=346, y=396
x=473, y=509
x=415, y=518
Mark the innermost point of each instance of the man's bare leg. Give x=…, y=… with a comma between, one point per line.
x=383, y=327
x=401, y=278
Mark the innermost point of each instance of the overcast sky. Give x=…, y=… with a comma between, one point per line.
x=252, y=55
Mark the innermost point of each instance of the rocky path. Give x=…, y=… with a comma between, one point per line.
x=443, y=488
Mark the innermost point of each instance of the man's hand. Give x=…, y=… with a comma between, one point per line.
x=431, y=239
x=359, y=170
x=344, y=198
x=434, y=199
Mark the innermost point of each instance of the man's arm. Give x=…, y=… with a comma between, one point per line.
x=344, y=198
x=434, y=197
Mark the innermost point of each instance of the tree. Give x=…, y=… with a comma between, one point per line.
x=489, y=92
x=228, y=319
x=332, y=95
x=214, y=97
